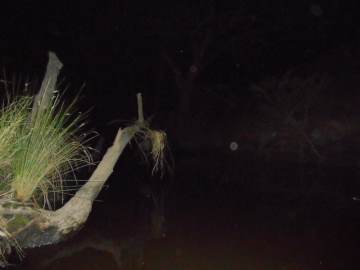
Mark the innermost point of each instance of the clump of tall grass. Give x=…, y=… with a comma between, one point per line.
x=36, y=151
x=12, y=118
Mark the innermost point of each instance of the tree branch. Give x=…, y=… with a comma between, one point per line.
x=48, y=86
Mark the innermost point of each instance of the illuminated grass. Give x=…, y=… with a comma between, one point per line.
x=35, y=155
x=12, y=118
x=45, y=150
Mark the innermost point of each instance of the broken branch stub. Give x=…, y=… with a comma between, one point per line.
x=48, y=86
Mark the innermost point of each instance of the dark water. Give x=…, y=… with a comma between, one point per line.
x=259, y=217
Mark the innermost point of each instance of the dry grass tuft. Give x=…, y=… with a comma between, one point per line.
x=153, y=144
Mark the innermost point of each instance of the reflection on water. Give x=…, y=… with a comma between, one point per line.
x=213, y=245
x=236, y=227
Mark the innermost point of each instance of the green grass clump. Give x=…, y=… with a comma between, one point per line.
x=36, y=151
x=12, y=118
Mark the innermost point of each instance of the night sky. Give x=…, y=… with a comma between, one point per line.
x=119, y=47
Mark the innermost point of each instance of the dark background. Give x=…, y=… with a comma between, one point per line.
x=260, y=102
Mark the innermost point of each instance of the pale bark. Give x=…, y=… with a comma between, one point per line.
x=48, y=86
x=44, y=227
x=50, y=227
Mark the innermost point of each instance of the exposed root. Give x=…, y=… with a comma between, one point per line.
x=153, y=144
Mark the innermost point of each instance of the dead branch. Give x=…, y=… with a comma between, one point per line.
x=48, y=86
x=44, y=227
